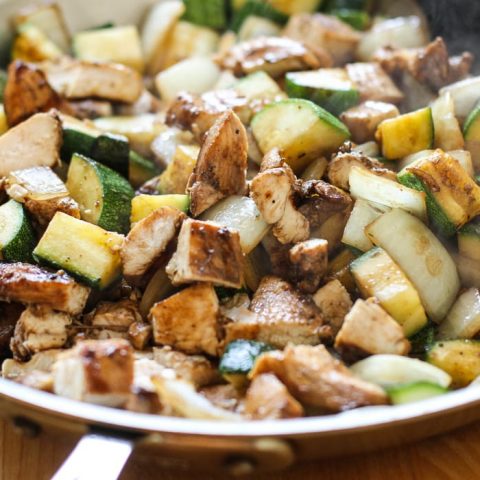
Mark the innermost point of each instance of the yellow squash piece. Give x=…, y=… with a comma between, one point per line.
x=144, y=205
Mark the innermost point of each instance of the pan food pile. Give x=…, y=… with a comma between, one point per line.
x=240, y=210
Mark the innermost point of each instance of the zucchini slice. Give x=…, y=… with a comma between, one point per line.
x=259, y=86
x=174, y=178
x=406, y=134
x=144, y=205
x=331, y=88
x=301, y=130
x=377, y=275
x=17, y=238
x=471, y=132
x=104, y=196
x=463, y=320
x=212, y=13
x=140, y=169
x=414, y=392
x=421, y=256
x=358, y=19
x=257, y=8
x=459, y=358
x=86, y=251
x=452, y=196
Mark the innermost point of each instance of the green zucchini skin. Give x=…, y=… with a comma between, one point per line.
x=3, y=82
x=414, y=392
x=357, y=19
x=211, y=13
x=259, y=9
x=140, y=169
x=240, y=356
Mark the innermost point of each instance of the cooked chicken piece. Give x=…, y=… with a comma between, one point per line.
x=186, y=402
x=286, y=316
x=293, y=226
x=199, y=113
x=195, y=369
x=27, y=92
x=140, y=334
x=308, y=264
x=373, y=83
x=221, y=167
x=34, y=142
x=240, y=322
x=9, y=314
x=340, y=165
x=25, y=283
x=90, y=109
x=267, y=397
x=42, y=192
x=38, y=329
x=226, y=397
x=320, y=201
x=429, y=65
x=95, y=371
x=269, y=362
x=273, y=55
x=325, y=35
x=207, y=252
x=148, y=239
x=83, y=79
x=37, y=380
x=368, y=330
x=188, y=320
x=334, y=303
x=39, y=362
x=363, y=120
x=116, y=316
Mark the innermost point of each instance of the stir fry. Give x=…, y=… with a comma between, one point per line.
x=240, y=210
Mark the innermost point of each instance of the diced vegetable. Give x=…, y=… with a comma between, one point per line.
x=339, y=269
x=459, y=358
x=175, y=177
x=422, y=341
x=448, y=134
x=414, y=392
x=300, y=129
x=471, y=131
x=464, y=158
x=86, y=251
x=103, y=195
x=315, y=170
x=3, y=120
x=140, y=169
x=469, y=240
x=144, y=205
x=259, y=86
x=391, y=370
x=366, y=185
x=463, y=320
x=241, y=214
x=468, y=270
x=291, y=7
x=158, y=288
x=331, y=88
x=406, y=134
x=357, y=19
x=465, y=95
x=210, y=14
x=17, y=238
x=254, y=27
x=377, y=275
x=421, y=256
x=102, y=45
x=257, y=8
x=3, y=82
x=33, y=45
x=452, y=196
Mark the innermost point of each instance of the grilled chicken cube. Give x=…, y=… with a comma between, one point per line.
x=38, y=329
x=207, y=252
x=268, y=398
x=148, y=239
x=25, y=283
x=269, y=362
x=363, y=120
x=188, y=320
x=226, y=397
x=27, y=92
x=95, y=371
x=286, y=316
x=339, y=168
x=368, y=330
x=33, y=143
x=139, y=334
x=76, y=79
x=334, y=303
x=373, y=83
x=195, y=369
x=325, y=35
x=309, y=262
x=273, y=55
x=293, y=226
x=221, y=168
x=42, y=192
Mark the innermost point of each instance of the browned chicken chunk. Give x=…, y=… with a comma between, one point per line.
x=27, y=92
x=207, y=252
x=139, y=334
x=368, y=330
x=188, y=320
x=221, y=168
x=373, y=83
x=363, y=120
x=273, y=55
x=334, y=303
x=25, y=283
x=286, y=316
x=226, y=397
x=95, y=371
x=148, y=239
x=267, y=397
x=37, y=329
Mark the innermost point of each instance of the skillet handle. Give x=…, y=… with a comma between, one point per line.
x=96, y=455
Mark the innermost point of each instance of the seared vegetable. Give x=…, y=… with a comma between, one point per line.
x=210, y=14
x=174, y=179
x=86, y=251
x=414, y=392
x=471, y=132
x=469, y=240
x=140, y=169
x=256, y=8
x=448, y=135
x=143, y=205
x=33, y=45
